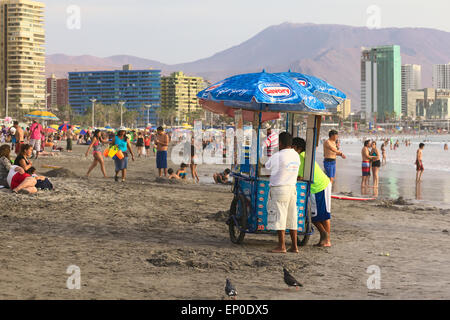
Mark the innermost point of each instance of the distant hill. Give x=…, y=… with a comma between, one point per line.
x=328, y=51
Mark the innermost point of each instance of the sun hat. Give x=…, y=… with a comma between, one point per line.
x=122, y=128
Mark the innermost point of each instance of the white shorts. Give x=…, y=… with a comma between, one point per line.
x=36, y=144
x=282, y=208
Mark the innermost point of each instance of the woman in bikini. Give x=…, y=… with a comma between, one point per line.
x=97, y=152
x=376, y=163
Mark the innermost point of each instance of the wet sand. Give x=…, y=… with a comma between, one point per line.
x=144, y=239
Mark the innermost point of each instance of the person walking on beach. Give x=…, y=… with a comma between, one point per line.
x=383, y=153
x=140, y=144
x=36, y=133
x=162, y=144
x=366, y=158
x=376, y=163
x=320, y=195
x=282, y=202
x=69, y=141
x=124, y=145
x=419, y=163
x=147, y=142
x=97, y=140
x=330, y=152
x=193, y=164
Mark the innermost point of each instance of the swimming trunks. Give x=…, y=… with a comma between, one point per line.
x=366, y=168
x=330, y=167
x=419, y=165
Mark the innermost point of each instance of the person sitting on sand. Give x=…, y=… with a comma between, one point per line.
x=173, y=175
x=26, y=152
x=6, y=164
x=320, y=197
x=282, y=202
x=182, y=173
x=222, y=177
x=20, y=181
x=41, y=182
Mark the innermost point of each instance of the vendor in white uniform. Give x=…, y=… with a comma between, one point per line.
x=282, y=202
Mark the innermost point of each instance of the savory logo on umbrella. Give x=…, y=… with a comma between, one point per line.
x=277, y=90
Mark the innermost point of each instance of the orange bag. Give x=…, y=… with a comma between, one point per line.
x=120, y=155
x=105, y=152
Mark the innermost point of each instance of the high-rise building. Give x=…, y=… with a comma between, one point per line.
x=411, y=80
x=179, y=91
x=139, y=89
x=381, y=82
x=22, y=55
x=57, y=92
x=441, y=76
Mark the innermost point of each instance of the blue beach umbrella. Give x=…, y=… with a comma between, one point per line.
x=64, y=127
x=325, y=92
x=266, y=92
x=83, y=132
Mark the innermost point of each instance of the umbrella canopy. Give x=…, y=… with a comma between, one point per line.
x=42, y=115
x=64, y=127
x=83, y=132
x=325, y=92
x=266, y=92
x=54, y=126
x=50, y=130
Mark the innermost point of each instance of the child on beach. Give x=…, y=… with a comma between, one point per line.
x=147, y=142
x=222, y=177
x=172, y=175
x=182, y=173
x=419, y=164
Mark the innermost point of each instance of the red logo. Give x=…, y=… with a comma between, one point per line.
x=277, y=91
x=302, y=83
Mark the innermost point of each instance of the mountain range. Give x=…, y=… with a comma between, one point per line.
x=331, y=52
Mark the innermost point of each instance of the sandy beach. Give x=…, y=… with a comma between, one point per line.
x=145, y=239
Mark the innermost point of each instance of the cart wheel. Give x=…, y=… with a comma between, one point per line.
x=308, y=228
x=238, y=209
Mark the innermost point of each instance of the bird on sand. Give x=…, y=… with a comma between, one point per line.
x=230, y=290
x=290, y=280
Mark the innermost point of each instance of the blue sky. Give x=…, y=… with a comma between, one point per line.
x=175, y=31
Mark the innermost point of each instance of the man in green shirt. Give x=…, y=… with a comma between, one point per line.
x=320, y=198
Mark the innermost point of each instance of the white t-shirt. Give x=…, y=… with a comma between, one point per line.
x=283, y=167
x=11, y=174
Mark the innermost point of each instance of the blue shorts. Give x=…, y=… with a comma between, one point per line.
x=161, y=159
x=121, y=164
x=321, y=205
x=330, y=168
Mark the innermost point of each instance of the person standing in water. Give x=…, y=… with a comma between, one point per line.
x=330, y=152
x=383, y=153
x=124, y=145
x=97, y=152
x=419, y=163
x=366, y=158
x=376, y=163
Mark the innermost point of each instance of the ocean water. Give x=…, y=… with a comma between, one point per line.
x=397, y=177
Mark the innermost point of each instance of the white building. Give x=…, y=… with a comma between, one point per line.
x=441, y=76
x=411, y=80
